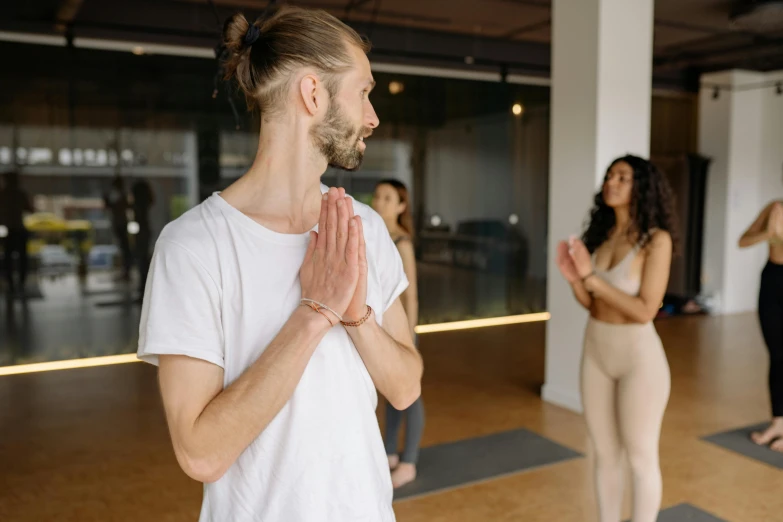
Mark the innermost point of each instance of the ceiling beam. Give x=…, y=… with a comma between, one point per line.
x=714, y=35
x=541, y=4
x=526, y=29
x=688, y=58
x=690, y=27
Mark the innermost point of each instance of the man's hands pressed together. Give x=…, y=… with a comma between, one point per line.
x=334, y=271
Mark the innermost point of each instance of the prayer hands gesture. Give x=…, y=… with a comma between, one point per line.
x=334, y=271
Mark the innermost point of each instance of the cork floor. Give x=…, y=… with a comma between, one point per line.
x=91, y=444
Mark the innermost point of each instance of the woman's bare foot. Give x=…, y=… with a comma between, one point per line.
x=777, y=446
x=774, y=431
x=393, y=461
x=403, y=474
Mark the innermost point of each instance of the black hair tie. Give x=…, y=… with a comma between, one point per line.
x=252, y=35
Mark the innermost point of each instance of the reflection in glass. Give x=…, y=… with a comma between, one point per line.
x=75, y=302
x=478, y=178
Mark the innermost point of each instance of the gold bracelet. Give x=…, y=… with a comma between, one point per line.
x=317, y=308
x=361, y=321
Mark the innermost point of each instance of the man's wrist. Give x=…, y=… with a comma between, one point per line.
x=314, y=322
x=350, y=323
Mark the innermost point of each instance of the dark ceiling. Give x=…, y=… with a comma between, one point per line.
x=94, y=88
x=691, y=36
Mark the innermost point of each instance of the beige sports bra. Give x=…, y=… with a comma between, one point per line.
x=619, y=276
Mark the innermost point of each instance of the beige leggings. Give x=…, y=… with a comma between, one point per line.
x=625, y=388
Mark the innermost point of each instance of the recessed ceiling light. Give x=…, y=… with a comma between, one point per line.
x=396, y=87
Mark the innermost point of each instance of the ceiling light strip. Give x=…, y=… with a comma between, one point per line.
x=204, y=52
x=30, y=38
x=521, y=79
x=457, y=74
x=437, y=72
x=148, y=48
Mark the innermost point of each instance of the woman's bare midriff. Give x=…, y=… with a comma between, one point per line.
x=776, y=253
x=608, y=314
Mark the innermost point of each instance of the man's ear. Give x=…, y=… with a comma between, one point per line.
x=309, y=88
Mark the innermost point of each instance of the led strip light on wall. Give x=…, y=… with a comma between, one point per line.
x=482, y=323
x=90, y=362
x=68, y=364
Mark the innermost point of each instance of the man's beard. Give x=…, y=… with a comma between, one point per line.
x=338, y=140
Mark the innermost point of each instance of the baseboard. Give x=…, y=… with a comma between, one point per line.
x=738, y=311
x=564, y=399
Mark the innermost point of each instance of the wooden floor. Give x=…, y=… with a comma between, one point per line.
x=91, y=444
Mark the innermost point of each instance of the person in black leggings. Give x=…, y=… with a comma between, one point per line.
x=391, y=201
x=768, y=228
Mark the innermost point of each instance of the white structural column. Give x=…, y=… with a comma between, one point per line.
x=601, y=97
x=740, y=130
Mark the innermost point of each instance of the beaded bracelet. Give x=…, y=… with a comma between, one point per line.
x=361, y=321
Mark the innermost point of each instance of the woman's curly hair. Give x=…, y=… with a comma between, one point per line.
x=652, y=207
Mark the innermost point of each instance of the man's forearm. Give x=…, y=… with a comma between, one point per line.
x=411, y=308
x=395, y=368
x=238, y=414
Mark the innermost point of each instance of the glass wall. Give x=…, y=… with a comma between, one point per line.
x=77, y=299
x=474, y=156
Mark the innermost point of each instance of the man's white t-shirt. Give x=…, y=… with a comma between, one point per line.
x=220, y=288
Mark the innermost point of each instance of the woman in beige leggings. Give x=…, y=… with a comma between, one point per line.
x=619, y=271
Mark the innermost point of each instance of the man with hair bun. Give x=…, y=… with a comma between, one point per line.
x=272, y=308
